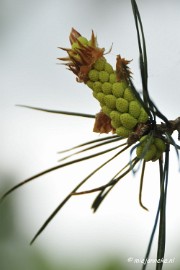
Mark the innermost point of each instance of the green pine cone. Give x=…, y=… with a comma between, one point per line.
x=115, y=97
x=110, y=87
x=152, y=151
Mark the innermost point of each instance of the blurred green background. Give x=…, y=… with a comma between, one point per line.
x=16, y=254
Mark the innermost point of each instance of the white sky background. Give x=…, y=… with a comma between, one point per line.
x=30, y=33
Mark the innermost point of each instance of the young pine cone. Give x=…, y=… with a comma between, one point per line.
x=110, y=87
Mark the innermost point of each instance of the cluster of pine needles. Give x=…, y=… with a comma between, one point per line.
x=114, y=142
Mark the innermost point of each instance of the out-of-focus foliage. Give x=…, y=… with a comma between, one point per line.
x=16, y=254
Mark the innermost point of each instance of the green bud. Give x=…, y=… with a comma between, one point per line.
x=108, y=68
x=124, y=84
x=94, y=94
x=97, y=86
x=146, y=138
x=134, y=108
x=99, y=64
x=115, y=115
x=150, y=153
x=160, y=144
x=128, y=121
x=116, y=118
x=110, y=101
x=75, y=46
x=90, y=84
x=118, y=89
x=122, y=105
x=148, y=149
x=123, y=132
x=157, y=156
x=83, y=40
x=112, y=78
x=106, y=88
x=93, y=75
x=139, y=151
x=106, y=110
x=143, y=117
x=100, y=97
x=114, y=124
x=128, y=94
x=103, y=76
